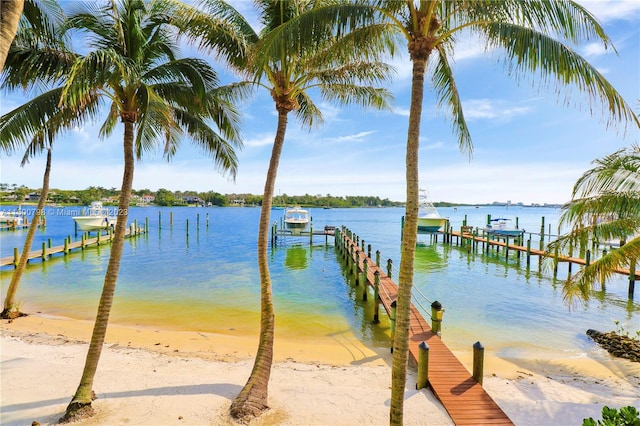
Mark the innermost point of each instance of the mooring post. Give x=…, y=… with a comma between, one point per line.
x=389, y=267
x=187, y=228
x=365, y=271
x=311, y=235
x=378, y=258
x=356, y=274
x=83, y=239
x=529, y=251
x=478, y=362
x=44, y=251
x=15, y=256
x=376, y=296
x=66, y=245
x=423, y=365
x=98, y=237
x=197, y=222
x=632, y=278
x=369, y=251
x=146, y=225
x=392, y=322
x=363, y=246
x=170, y=219
x=207, y=221
x=49, y=243
x=436, y=317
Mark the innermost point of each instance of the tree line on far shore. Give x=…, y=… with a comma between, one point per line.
x=165, y=197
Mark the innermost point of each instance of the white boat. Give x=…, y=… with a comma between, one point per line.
x=296, y=219
x=501, y=226
x=429, y=220
x=98, y=217
x=12, y=217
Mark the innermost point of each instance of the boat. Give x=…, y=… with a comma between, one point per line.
x=429, y=220
x=12, y=218
x=501, y=226
x=296, y=219
x=98, y=217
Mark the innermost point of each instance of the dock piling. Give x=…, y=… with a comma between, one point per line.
x=423, y=366
x=478, y=362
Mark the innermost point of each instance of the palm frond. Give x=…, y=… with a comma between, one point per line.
x=529, y=50
x=447, y=92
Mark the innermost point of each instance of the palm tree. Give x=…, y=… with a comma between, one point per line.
x=158, y=98
x=10, y=12
x=38, y=53
x=604, y=206
x=523, y=31
x=300, y=51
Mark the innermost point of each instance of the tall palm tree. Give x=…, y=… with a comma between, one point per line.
x=38, y=54
x=131, y=63
x=301, y=50
x=604, y=206
x=37, y=139
x=533, y=36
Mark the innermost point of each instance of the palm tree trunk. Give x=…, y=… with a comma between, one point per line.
x=80, y=405
x=9, y=301
x=10, y=13
x=252, y=399
x=409, y=237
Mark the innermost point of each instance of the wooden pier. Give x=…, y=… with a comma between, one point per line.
x=67, y=247
x=461, y=394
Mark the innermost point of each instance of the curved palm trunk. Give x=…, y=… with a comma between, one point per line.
x=252, y=399
x=80, y=405
x=9, y=301
x=10, y=12
x=409, y=236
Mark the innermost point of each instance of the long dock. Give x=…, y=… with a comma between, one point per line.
x=464, y=398
x=67, y=247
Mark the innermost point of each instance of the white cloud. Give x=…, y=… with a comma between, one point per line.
x=358, y=137
x=492, y=109
x=611, y=10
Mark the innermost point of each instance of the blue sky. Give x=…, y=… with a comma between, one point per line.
x=530, y=143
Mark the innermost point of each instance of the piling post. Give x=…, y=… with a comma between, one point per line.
x=369, y=251
x=478, y=362
x=632, y=278
x=436, y=317
x=378, y=258
x=66, y=245
x=159, y=220
x=355, y=265
x=146, y=225
x=389, y=267
x=587, y=258
x=365, y=271
x=311, y=235
x=392, y=322
x=83, y=239
x=197, y=222
x=363, y=246
x=376, y=296
x=98, y=237
x=49, y=243
x=16, y=257
x=207, y=221
x=529, y=251
x=170, y=219
x=506, y=247
x=44, y=251
x=423, y=365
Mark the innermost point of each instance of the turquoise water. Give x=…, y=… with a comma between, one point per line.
x=204, y=277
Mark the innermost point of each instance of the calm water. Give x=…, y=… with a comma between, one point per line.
x=208, y=280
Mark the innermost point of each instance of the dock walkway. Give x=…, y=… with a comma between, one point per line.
x=45, y=252
x=462, y=396
x=504, y=243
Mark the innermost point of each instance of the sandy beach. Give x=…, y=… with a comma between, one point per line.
x=151, y=376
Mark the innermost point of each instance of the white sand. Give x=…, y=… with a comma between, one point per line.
x=40, y=372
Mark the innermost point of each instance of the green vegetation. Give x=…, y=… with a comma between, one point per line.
x=164, y=197
x=626, y=416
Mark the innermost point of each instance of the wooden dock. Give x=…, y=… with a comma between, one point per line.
x=475, y=240
x=67, y=247
x=465, y=400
